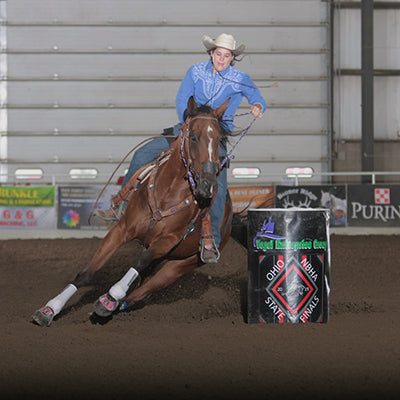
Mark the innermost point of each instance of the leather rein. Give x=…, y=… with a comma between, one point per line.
x=184, y=138
x=157, y=213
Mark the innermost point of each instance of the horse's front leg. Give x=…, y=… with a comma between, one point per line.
x=114, y=239
x=109, y=302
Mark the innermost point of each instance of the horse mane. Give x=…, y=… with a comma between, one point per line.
x=204, y=109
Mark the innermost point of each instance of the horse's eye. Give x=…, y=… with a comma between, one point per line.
x=193, y=137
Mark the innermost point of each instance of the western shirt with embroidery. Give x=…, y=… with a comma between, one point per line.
x=214, y=89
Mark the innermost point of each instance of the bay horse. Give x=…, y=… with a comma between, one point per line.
x=163, y=214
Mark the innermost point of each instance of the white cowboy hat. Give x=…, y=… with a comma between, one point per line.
x=223, y=40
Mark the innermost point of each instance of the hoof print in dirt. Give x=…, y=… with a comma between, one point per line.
x=97, y=320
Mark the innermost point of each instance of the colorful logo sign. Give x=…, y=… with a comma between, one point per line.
x=71, y=218
x=267, y=231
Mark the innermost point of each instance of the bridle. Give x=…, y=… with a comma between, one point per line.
x=192, y=174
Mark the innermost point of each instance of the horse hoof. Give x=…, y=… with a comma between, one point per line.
x=44, y=316
x=105, y=305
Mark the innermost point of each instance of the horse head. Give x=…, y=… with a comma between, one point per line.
x=201, y=136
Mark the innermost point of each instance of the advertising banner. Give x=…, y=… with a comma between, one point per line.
x=332, y=197
x=76, y=202
x=245, y=197
x=27, y=207
x=288, y=266
x=374, y=205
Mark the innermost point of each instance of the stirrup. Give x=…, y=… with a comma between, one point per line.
x=112, y=214
x=209, y=256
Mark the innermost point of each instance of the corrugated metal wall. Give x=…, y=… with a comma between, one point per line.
x=88, y=80
x=347, y=87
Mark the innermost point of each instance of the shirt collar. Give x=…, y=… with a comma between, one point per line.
x=224, y=72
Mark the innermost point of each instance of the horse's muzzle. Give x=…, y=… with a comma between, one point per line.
x=208, y=184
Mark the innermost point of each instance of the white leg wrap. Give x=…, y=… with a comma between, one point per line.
x=59, y=301
x=118, y=291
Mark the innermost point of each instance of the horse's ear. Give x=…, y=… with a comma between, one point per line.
x=221, y=109
x=192, y=106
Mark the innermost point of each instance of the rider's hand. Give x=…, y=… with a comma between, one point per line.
x=256, y=110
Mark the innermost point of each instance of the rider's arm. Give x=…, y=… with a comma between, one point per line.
x=186, y=90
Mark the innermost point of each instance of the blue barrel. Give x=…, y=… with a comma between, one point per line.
x=289, y=262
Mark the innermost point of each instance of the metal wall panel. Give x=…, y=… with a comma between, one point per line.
x=347, y=103
x=386, y=38
x=146, y=93
x=160, y=38
x=3, y=94
x=93, y=93
x=86, y=84
x=272, y=148
x=108, y=66
x=165, y=12
x=348, y=40
x=386, y=108
x=152, y=121
x=85, y=148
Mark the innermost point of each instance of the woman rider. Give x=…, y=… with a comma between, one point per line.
x=210, y=83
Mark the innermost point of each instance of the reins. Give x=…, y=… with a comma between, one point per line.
x=185, y=163
x=230, y=156
x=183, y=141
x=118, y=166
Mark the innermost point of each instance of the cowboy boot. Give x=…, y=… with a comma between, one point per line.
x=113, y=213
x=120, y=200
x=209, y=252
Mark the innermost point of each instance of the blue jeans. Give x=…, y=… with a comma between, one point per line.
x=149, y=151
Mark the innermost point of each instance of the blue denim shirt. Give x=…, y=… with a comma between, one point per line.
x=214, y=90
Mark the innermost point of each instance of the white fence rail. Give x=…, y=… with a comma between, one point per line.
x=292, y=179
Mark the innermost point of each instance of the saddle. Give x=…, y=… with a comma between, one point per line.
x=208, y=251
x=139, y=177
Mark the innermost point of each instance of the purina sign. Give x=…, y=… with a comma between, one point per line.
x=373, y=205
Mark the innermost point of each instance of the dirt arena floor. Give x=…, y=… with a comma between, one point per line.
x=191, y=341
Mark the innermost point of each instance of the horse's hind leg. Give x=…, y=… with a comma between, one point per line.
x=167, y=275
x=114, y=239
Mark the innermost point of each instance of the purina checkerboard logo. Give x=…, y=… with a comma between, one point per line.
x=382, y=196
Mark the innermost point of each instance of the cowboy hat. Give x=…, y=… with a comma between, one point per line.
x=223, y=40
